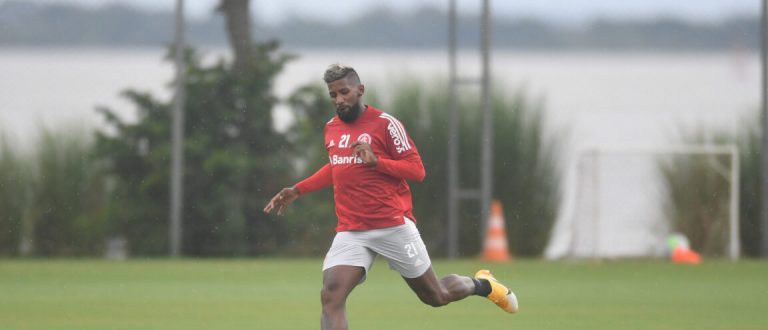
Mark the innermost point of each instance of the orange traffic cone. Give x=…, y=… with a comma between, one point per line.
x=683, y=255
x=495, y=245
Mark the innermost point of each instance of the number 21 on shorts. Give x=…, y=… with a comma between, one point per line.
x=411, y=250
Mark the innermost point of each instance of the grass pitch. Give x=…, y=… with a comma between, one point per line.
x=284, y=294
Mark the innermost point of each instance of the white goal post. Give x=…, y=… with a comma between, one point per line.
x=612, y=207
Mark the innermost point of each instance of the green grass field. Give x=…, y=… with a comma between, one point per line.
x=284, y=294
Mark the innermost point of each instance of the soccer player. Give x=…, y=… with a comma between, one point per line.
x=370, y=158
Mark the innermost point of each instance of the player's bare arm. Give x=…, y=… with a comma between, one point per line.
x=365, y=152
x=282, y=200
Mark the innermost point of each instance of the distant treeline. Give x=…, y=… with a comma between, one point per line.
x=32, y=24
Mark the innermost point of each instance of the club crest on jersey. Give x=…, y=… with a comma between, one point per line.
x=332, y=144
x=365, y=138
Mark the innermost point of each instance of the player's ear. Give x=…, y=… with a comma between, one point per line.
x=360, y=90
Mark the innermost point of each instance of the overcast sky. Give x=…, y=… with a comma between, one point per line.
x=565, y=11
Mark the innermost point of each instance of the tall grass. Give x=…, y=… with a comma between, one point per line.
x=15, y=186
x=525, y=177
x=52, y=196
x=697, y=195
x=751, y=198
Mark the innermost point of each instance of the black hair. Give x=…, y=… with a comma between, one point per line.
x=338, y=71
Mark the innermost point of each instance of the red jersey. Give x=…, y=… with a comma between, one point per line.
x=368, y=197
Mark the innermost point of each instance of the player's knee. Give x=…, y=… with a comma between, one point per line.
x=331, y=295
x=435, y=301
x=433, y=298
x=326, y=297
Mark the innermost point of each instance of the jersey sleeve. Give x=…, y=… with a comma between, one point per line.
x=405, y=160
x=321, y=179
x=397, y=142
x=409, y=168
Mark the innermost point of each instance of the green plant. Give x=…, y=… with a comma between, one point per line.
x=67, y=195
x=14, y=196
x=525, y=177
x=750, y=197
x=697, y=195
x=234, y=161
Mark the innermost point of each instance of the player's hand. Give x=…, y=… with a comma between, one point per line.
x=282, y=199
x=364, y=151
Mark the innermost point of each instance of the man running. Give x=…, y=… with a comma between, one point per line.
x=370, y=158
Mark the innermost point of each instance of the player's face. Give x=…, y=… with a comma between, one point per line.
x=346, y=95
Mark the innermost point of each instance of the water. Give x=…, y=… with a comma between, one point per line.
x=600, y=97
x=617, y=99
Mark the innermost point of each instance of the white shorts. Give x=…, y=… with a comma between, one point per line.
x=400, y=245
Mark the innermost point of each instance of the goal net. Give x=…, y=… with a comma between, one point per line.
x=626, y=202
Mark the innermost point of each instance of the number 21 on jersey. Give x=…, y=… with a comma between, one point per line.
x=344, y=141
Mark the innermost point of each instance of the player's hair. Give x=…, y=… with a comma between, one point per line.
x=337, y=71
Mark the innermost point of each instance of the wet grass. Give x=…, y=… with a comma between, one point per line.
x=284, y=294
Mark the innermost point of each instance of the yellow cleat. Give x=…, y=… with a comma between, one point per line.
x=500, y=294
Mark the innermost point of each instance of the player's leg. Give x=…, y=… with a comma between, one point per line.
x=455, y=287
x=405, y=251
x=338, y=282
x=436, y=293
x=346, y=265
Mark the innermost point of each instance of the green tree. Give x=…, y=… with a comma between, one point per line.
x=312, y=219
x=234, y=157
